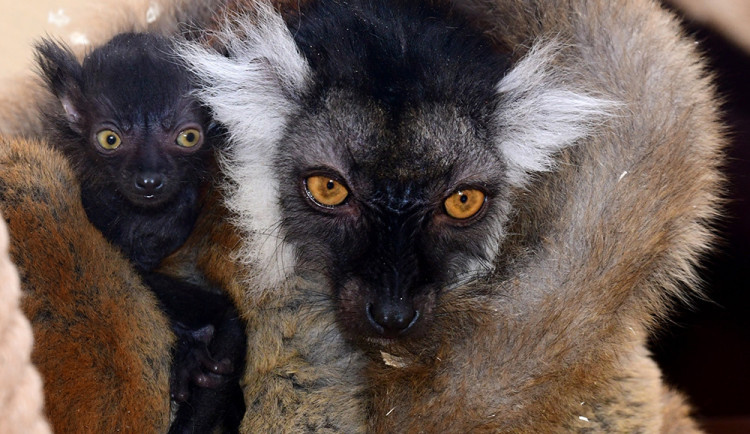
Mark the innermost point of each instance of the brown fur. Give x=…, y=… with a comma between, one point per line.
x=98, y=346
x=563, y=333
x=557, y=343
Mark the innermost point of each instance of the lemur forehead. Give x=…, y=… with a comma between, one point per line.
x=136, y=70
x=428, y=142
x=400, y=53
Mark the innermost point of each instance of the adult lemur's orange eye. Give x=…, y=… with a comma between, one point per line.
x=325, y=191
x=189, y=138
x=108, y=139
x=464, y=203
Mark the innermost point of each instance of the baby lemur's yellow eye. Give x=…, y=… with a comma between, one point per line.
x=108, y=139
x=464, y=203
x=189, y=138
x=325, y=191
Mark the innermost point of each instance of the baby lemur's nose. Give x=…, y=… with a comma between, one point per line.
x=149, y=183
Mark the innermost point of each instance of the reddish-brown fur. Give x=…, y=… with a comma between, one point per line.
x=98, y=343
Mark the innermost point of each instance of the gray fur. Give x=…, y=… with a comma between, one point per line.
x=538, y=321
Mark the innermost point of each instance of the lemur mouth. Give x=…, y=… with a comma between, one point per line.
x=154, y=199
x=147, y=200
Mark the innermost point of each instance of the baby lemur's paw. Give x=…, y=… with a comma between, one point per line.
x=194, y=365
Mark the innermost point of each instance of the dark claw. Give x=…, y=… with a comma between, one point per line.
x=181, y=396
x=224, y=367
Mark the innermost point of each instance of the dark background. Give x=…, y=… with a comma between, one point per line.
x=705, y=351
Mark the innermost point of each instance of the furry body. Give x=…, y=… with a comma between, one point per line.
x=604, y=231
x=609, y=145
x=21, y=389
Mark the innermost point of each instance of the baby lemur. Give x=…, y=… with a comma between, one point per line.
x=141, y=146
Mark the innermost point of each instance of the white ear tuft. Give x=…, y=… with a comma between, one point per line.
x=253, y=91
x=538, y=114
x=256, y=86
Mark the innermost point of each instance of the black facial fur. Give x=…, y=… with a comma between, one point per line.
x=143, y=195
x=141, y=146
x=402, y=97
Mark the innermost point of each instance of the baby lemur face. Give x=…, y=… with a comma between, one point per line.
x=146, y=158
x=377, y=144
x=128, y=110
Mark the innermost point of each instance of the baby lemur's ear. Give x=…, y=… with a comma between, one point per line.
x=63, y=75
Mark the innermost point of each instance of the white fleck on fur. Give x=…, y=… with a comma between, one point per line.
x=253, y=92
x=539, y=115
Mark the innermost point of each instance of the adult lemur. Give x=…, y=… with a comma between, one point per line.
x=492, y=200
x=458, y=216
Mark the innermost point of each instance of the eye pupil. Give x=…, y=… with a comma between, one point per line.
x=107, y=139
x=325, y=191
x=188, y=138
x=462, y=205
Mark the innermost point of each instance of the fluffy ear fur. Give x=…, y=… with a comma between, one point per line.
x=62, y=73
x=541, y=112
x=263, y=63
x=265, y=74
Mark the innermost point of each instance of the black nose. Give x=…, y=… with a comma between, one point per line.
x=392, y=318
x=149, y=183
